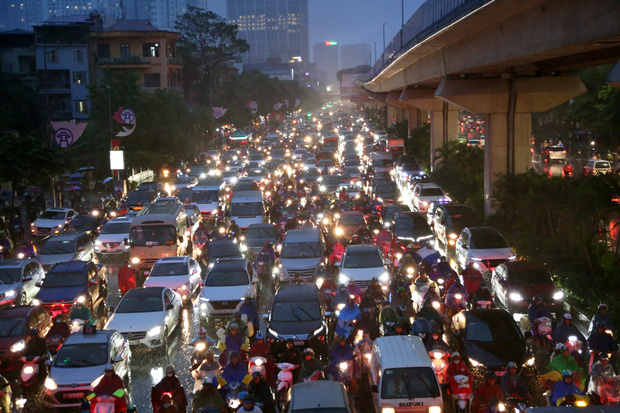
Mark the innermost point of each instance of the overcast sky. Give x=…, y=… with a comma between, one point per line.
x=350, y=21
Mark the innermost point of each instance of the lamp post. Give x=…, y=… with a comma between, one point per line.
x=383, y=54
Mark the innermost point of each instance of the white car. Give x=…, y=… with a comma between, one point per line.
x=79, y=366
x=426, y=193
x=147, y=316
x=52, y=222
x=184, y=182
x=113, y=234
x=298, y=153
x=227, y=284
x=181, y=274
x=484, y=246
x=361, y=263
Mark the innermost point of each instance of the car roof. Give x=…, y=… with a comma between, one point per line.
x=101, y=336
x=297, y=292
x=17, y=311
x=456, y=208
x=222, y=242
x=70, y=266
x=488, y=314
x=302, y=235
x=173, y=259
x=14, y=263
x=58, y=209
x=483, y=231
x=304, y=395
x=523, y=265
x=145, y=292
x=121, y=219
x=232, y=263
x=402, y=351
x=66, y=237
x=261, y=226
x=362, y=248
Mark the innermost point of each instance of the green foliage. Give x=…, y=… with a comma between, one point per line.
x=20, y=107
x=419, y=144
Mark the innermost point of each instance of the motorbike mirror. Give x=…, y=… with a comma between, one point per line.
x=374, y=388
x=110, y=310
x=169, y=307
x=265, y=316
x=328, y=314
x=126, y=241
x=117, y=359
x=38, y=284
x=337, y=264
x=27, y=278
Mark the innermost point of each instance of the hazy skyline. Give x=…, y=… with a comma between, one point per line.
x=350, y=21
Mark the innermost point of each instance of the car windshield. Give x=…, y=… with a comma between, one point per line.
x=197, y=170
x=153, y=235
x=10, y=275
x=409, y=383
x=431, y=192
x=381, y=163
x=295, y=311
x=484, y=240
x=528, y=275
x=253, y=173
x=205, y=196
x=331, y=180
x=351, y=220
x=138, y=196
x=13, y=326
x=363, y=259
x=300, y=250
x=140, y=304
x=463, y=220
x=217, y=278
x=83, y=221
x=224, y=250
x=602, y=164
x=64, y=279
x=229, y=174
x=82, y=355
x=410, y=222
x=116, y=228
x=184, y=180
x=166, y=269
x=55, y=215
x=492, y=329
x=54, y=246
x=247, y=208
x=260, y=233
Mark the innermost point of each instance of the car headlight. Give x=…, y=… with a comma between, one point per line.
x=322, y=188
x=183, y=287
x=385, y=277
x=135, y=260
x=36, y=302
x=339, y=232
x=17, y=347
x=474, y=363
x=453, y=236
x=81, y=299
x=51, y=384
x=512, y=258
x=434, y=409
x=343, y=279
x=558, y=295
x=153, y=332
x=10, y=293
x=515, y=297
x=96, y=381
x=98, y=243
x=243, y=248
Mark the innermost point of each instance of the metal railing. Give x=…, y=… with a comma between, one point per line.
x=428, y=19
x=133, y=60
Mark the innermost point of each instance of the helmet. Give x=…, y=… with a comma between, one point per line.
x=267, y=243
x=602, y=307
x=33, y=332
x=169, y=368
x=237, y=314
x=166, y=398
x=455, y=354
x=235, y=326
x=512, y=365
x=132, y=409
x=564, y=348
x=207, y=380
x=537, y=297
x=600, y=324
x=85, y=405
x=256, y=374
x=109, y=367
x=233, y=354
x=374, y=279
x=244, y=395
x=259, y=336
x=202, y=332
x=410, y=246
x=567, y=316
x=308, y=351
x=490, y=375
x=567, y=373
x=400, y=290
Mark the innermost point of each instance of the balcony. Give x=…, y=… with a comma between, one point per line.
x=125, y=61
x=175, y=60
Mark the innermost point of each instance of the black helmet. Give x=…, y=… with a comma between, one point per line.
x=600, y=324
x=602, y=307
x=490, y=375
x=537, y=297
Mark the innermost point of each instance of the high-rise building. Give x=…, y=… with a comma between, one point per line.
x=20, y=14
x=326, y=61
x=273, y=29
x=353, y=55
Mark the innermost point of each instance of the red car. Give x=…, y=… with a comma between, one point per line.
x=15, y=323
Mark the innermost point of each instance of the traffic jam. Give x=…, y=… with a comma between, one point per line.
x=307, y=267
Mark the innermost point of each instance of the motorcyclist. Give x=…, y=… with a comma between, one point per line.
x=457, y=367
x=290, y=354
x=399, y=330
x=599, y=341
x=368, y=302
x=368, y=323
x=235, y=370
x=375, y=289
x=567, y=170
x=435, y=342
x=111, y=385
x=601, y=315
x=397, y=283
x=328, y=289
x=387, y=315
x=350, y=313
x=472, y=278
x=430, y=314
x=535, y=311
x=5, y=395
x=566, y=329
x=434, y=274
x=260, y=348
x=354, y=290
x=241, y=325
x=233, y=229
x=486, y=391
x=341, y=352
x=169, y=384
x=166, y=406
x=235, y=341
x=421, y=327
x=443, y=265
x=126, y=278
x=59, y=328
x=481, y=294
x=248, y=405
x=208, y=396
x=432, y=294
x=35, y=345
x=453, y=302
x=355, y=240
x=564, y=387
x=384, y=239
x=261, y=393
x=513, y=383
x=337, y=252
x=81, y=312
x=341, y=296
x=309, y=365
x=561, y=362
x=208, y=364
x=250, y=310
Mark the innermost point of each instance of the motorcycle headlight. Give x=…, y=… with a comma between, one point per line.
x=343, y=366
x=343, y=279
x=36, y=302
x=135, y=260
x=530, y=362
x=21, y=255
x=51, y=384
x=183, y=287
x=243, y=248
x=434, y=409
x=453, y=236
x=81, y=299
x=558, y=295
x=319, y=282
x=155, y=331
x=515, y=297
x=17, y=347
x=474, y=363
x=201, y=346
x=96, y=381
x=385, y=277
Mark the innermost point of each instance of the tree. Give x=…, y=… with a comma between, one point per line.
x=207, y=45
x=20, y=107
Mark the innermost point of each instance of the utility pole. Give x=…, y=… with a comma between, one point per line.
x=383, y=54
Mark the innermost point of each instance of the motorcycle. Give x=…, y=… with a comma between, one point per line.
x=54, y=342
x=344, y=374
x=30, y=377
x=516, y=403
x=461, y=397
x=258, y=364
x=263, y=265
x=199, y=245
x=26, y=252
x=108, y=404
x=545, y=330
x=200, y=373
x=233, y=389
x=76, y=325
x=439, y=358
x=284, y=382
x=484, y=304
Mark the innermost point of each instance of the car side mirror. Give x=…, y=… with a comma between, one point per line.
x=464, y=246
x=93, y=282
x=265, y=316
x=27, y=278
x=169, y=307
x=117, y=359
x=38, y=284
x=80, y=249
x=374, y=388
x=126, y=241
x=328, y=314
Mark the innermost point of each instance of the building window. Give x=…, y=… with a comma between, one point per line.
x=78, y=56
x=81, y=106
x=103, y=50
x=79, y=78
x=125, y=51
x=52, y=57
x=150, y=49
x=151, y=80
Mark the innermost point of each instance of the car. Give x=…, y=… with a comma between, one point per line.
x=79, y=365
x=158, y=187
x=450, y=219
x=71, y=282
x=515, y=283
x=137, y=199
x=52, y=222
x=595, y=167
x=181, y=274
x=15, y=324
x=258, y=175
x=362, y=263
x=389, y=211
x=310, y=163
x=111, y=239
x=66, y=247
x=18, y=281
x=554, y=153
x=256, y=235
x=223, y=248
x=198, y=171
x=183, y=182
x=193, y=217
x=297, y=313
x=302, y=253
x=488, y=337
x=329, y=183
x=88, y=223
x=484, y=246
x=147, y=317
x=245, y=184
x=257, y=157
x=352, y=190
x=424, y=193
x=297, y=154
x=228, y=282
x=317, y=397
x=348, y=223
x=411, y=228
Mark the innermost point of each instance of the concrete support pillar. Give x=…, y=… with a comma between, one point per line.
x=392, y=113
x=444, y=129
x=414, y=118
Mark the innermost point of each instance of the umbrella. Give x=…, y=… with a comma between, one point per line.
x=86, y=168
x=33, y=188
x=108, y=179
x=73, y=183
x=5, y=192
x=74, y=188
x=76, y=175
x=66, y=174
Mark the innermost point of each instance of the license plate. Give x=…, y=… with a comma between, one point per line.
x=299, y=342
x=73, y=395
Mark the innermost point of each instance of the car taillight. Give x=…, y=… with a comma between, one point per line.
x=322, y=339
x=270, y=340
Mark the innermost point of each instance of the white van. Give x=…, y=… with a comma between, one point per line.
x=246, y=208
x=382, y=162
x=402, y=377
x=206, y=196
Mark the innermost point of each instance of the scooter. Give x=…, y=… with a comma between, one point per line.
x=461, y=397
x=200, y=373
x=439, y=360
x=516, y=403
x=284, y=382
x=258, y=364
x=344, y=374
x=30, y=376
